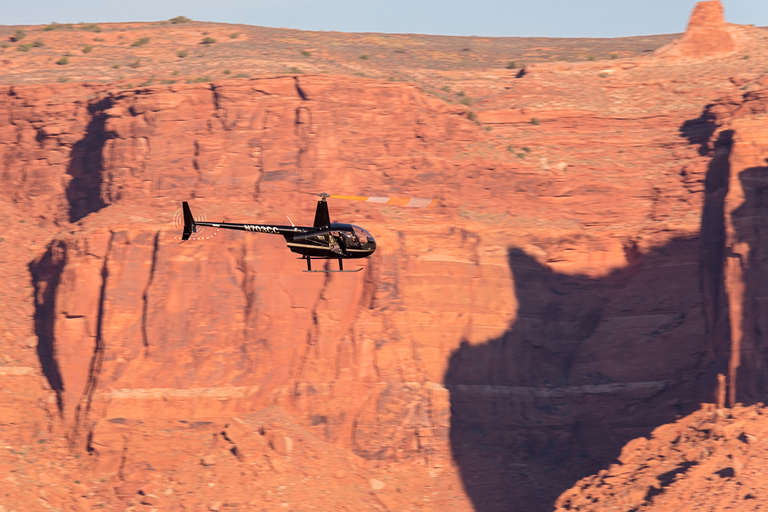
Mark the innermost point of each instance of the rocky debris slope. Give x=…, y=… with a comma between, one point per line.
x=713, y=459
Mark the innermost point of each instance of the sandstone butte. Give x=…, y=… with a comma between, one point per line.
x=592, y=276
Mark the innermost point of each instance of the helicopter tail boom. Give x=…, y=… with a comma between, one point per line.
x=189, y=222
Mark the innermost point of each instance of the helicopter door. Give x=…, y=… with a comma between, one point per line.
x=336, y=242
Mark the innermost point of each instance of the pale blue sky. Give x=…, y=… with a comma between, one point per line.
x=548, y=18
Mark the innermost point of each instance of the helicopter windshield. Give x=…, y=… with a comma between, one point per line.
x=362, y=235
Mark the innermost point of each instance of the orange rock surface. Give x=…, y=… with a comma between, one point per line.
x=593, y=266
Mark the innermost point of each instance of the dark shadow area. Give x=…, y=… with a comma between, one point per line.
x=749, y=269
x=712, y=259
x=587, y=365
x=46, y=273
x=85, y=164
x=726, y=473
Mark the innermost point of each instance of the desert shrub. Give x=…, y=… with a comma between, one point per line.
x=306, y=53
x=199, y=79
x=140, y=42
x=135, y=64
x=182, y=53
x=472, y=117
x=62, y=79
x=91, y=27
x=234, y=35
x=512, y=65
x=37, y=43
x=614, y=56
x=180, y=19
x=4, y=45
x=62, y=61
x=116, y=66
x=227, y=72
x=466, y=101
x=364, y=57
x=23, y=47
x=18, y=35
x=56, y=26
x=87, y=49
x=590, y=57
x=294, y=70
x=147, y=82
x=446, y=88
x=603, y=75
x=208, y=40
x=167, y=81
x=242, y=75
x=535, y=121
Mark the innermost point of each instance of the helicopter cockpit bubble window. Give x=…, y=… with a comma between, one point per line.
x=363, y=235
x=350, y=239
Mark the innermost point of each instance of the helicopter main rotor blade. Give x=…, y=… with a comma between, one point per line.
x=394, y=201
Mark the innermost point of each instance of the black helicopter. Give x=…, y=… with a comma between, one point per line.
x=323, y=240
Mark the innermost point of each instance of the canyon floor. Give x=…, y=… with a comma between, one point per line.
x=574, y=177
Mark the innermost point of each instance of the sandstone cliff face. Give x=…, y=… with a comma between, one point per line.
x=451, y=339
x=219, y=329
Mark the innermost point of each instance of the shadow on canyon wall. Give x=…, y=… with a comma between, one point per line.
x=85, y=166
x=750, y=224
x=583, y=370
x=46, y=274
x=588, y=365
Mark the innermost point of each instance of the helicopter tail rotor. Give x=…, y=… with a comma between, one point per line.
x=189, y=222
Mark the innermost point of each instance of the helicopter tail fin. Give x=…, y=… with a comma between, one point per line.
x=189, y=222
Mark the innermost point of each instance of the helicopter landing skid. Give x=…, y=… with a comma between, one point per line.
x=341, y=266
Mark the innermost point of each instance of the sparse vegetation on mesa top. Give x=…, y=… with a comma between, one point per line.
x=234, y=35
x=208, y=40
x=140, y=42
x=56, y=26
x=87, y=49
x=364, y=56
x=180, y=19
x=92, y=27
x=62, y=61
x=18, y=35
x=294, y=70
x=512, y=65
x=199, y=80
x=182, y=53
x=26, y=47
x=306, y=53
